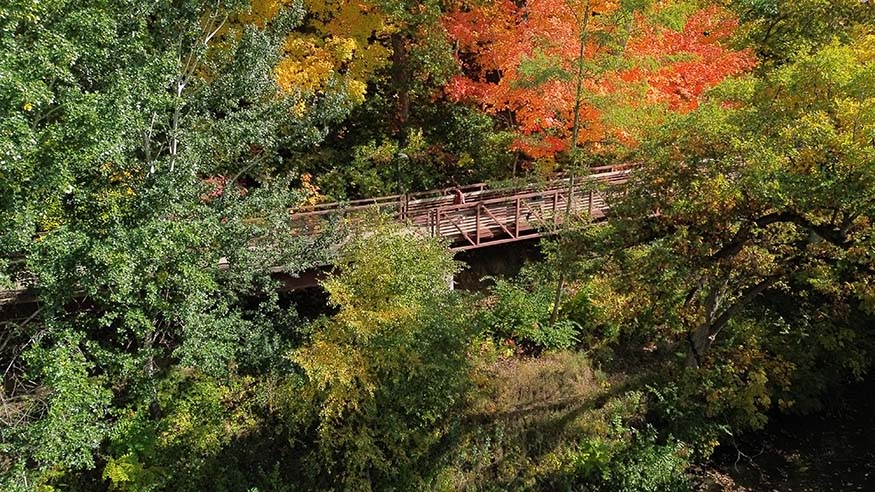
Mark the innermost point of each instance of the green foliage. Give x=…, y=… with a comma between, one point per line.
x=624, y=456
x=383, y=373
x=202, y=419
x=521, y=312
x=112, y=116
x=442, y=144
x=675, y=14
x=735, y=252
x=539, y=69
x=586, y=308
x=384, y=168
x=148, y=158
x=638, y=464
x=479, y=149
x=649, y=466
x=76, y=410
x=782, y=29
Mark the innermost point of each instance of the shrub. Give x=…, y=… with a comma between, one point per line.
x=521, y=311
x=383, y=374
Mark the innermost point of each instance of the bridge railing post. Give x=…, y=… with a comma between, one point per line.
x=402, y=207
x=477, y=223
x=589, y=207
x=516, y=218
x=437, y=222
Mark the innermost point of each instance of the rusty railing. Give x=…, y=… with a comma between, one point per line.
x=476, y=215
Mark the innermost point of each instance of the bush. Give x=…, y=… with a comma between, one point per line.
x=383, y=375
x=521, y=312
x=647, y=466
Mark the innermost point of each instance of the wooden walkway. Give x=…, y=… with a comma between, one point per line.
x=476, y=216
x=469, y=217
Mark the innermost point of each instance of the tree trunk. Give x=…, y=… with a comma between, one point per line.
x=701, y=339
x=400, y=82
x=698, y=345
x=575, y=132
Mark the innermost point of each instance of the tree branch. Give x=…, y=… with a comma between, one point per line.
x=749, y=295
x=836, y=236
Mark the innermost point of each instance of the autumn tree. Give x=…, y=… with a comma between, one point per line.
x=570, y=73
x=545, y=65
x=745, y=235
x=382, y=373
x=677, y=67
x=111, y=115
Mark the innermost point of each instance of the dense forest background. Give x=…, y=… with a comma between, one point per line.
x=143, y=141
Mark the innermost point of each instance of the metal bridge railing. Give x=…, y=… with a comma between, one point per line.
x=476, y=215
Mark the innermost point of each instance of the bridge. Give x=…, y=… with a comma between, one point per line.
x=477, y=216
x=468, y=217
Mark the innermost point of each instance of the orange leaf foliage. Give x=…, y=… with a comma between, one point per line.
x=705, y=61
x=495, y=38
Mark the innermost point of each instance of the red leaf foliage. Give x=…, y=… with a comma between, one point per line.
x=495, y=38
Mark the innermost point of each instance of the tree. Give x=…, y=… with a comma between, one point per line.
x=344, y=45
x=677, y=67
x=111, y=117
x=382, y=373
x=551, y=68
x=779, y=30
x=545, y=65
x=333, y=50
x=397, y=54
x=744, y=235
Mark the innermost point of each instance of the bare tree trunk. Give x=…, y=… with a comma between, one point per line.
x=400, y=79
x=209, y=30
x=575, y=132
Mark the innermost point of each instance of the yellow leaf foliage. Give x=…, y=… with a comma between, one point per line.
x=338, y=47
x=262, y=11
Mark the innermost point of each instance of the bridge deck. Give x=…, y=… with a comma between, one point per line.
x=476, y=216
x=469, y=217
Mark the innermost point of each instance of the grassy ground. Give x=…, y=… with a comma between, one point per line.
x=541, y=423
x=531, y=415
